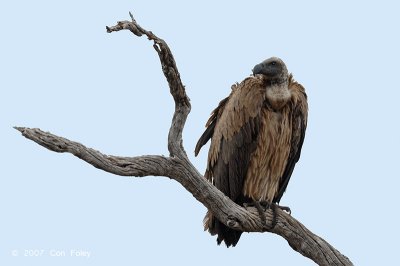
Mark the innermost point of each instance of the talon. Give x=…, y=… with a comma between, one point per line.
x=284, y=208
x=287, y=209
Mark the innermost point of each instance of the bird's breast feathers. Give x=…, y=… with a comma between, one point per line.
x=278, y=95
x=268, y=162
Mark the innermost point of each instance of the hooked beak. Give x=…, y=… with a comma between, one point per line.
x=258, y=69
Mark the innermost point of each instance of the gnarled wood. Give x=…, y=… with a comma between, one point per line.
x=178, y=167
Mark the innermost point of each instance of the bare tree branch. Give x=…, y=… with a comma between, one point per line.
x=182, y=102
x=154, y=165
x=178, y=167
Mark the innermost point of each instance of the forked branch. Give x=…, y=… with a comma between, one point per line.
x=178, y=167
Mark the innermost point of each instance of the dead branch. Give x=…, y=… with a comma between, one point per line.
x=178, y=167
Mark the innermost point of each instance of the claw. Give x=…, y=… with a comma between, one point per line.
x=284, y=208
x=263, y=206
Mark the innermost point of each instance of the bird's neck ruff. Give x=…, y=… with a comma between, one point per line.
x=278, y=93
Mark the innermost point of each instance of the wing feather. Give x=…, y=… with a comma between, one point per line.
x=234, y=137
x=210, y=126
x=231, y=166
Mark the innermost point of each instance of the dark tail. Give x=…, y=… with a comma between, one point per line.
x=226, y=234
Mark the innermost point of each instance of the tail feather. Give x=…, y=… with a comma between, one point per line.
x=226, y=234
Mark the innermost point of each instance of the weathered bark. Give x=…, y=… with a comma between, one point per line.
x=178, y=167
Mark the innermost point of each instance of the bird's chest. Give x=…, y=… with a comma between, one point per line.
x=278, y=96
x=269, y=160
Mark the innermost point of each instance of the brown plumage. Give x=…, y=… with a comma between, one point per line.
x=256, y=137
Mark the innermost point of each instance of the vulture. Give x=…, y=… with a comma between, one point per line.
x=256, y=133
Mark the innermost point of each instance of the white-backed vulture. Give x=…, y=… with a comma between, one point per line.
x=256, y=137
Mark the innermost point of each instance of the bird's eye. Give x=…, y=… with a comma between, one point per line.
x=273, y=63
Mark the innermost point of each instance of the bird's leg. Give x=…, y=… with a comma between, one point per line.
x=261, y=207
x=273, y=207
x=274, y=221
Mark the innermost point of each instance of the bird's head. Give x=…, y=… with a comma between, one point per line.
x=273, y=68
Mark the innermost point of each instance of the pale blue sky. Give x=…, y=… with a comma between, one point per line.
x=62, y=72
